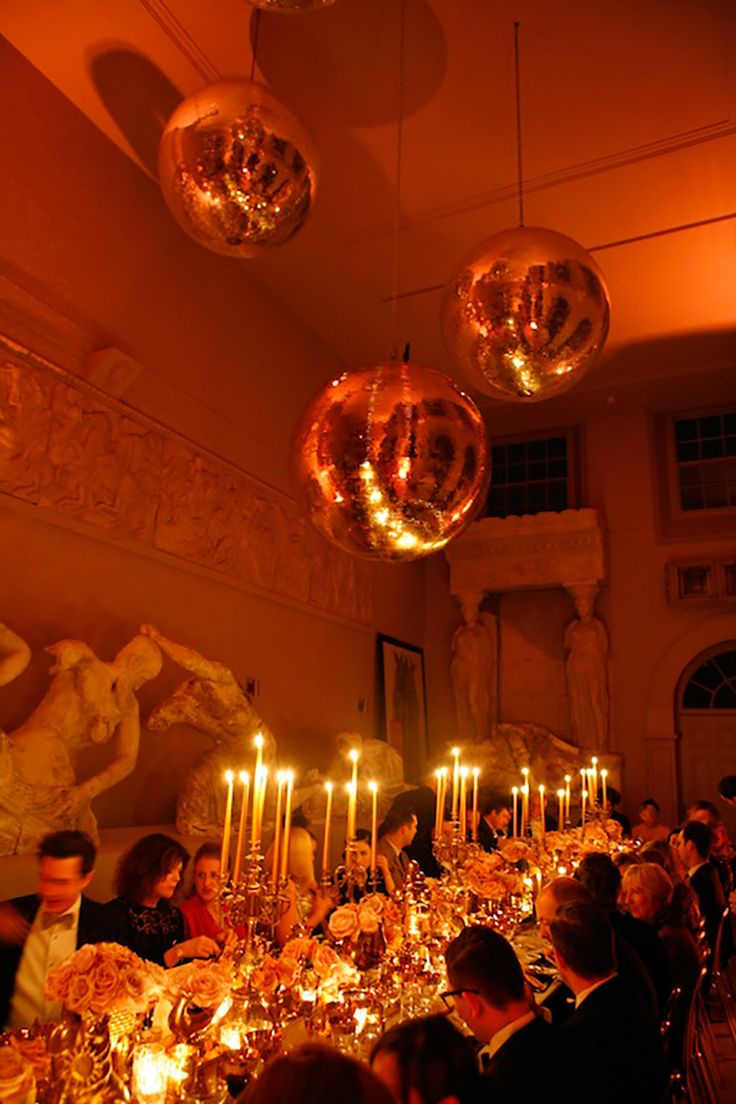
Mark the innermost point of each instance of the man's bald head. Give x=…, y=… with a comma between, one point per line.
x=560, y=891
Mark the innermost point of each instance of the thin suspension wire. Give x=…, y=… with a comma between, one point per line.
x=397, y=189
x=519, y=171
x=256, y=32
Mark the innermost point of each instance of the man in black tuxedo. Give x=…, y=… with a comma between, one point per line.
x=39, y=931
x=495, y=815
x=612, y=1033
x=518, y=1052
x=397, y=832
x=696, y=842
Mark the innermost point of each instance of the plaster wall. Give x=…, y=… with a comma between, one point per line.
x=90, y=258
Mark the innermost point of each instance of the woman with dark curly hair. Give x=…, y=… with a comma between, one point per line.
x=314, y=1074
x=146, y=879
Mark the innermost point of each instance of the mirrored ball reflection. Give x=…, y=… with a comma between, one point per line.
x=236, y=169
x=390, y=461
x=526, y=315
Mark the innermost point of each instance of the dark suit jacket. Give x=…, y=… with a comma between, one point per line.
x=96, y=925
x=488, y=837
x=711, y=900
x=398, y=864
x=618, y=1046
x=529, y=1067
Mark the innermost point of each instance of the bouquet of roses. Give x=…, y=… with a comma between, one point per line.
x=350, y=921
x=205, y=984
x=105, y=977
x=300, y=955
x=488, y=878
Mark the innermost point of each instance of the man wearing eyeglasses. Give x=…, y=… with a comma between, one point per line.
x=487, y=992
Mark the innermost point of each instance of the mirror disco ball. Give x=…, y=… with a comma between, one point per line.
x=390, y=461
x=290, y=5
x=236, y=169
x=526, y=315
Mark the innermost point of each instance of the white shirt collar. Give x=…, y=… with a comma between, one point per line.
x=72, y=911
x=692, y=869
x=496, y=1041
x=585, y=993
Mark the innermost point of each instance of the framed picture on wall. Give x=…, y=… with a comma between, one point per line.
x=402, y=702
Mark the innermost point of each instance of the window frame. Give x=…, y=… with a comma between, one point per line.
x=571, y=434
x=674, y=522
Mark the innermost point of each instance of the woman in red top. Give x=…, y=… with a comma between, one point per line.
x=202, y=910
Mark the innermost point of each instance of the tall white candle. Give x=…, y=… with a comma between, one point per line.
x=372, y=786
x=455, y=782
x=254, y=827
x=463, y=801
x=524, y=808
x=443, y=799
x=326, y=844
x=604, y=784
x=276, y=846
x=348, y=832
x=476, y=772
x=515, y=799
x=245, y=781
x=560, y=809
x=594, y=764
x=287, y=825
x=438, y=795
x=541, y=808
x=568, y=780
x=583, y=798
x=353, y=803
x=225, y=852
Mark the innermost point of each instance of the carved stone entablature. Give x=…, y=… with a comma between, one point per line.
x=81, y=455
x=536, y=551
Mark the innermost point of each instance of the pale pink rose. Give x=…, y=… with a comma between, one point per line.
x=83, y=960
x=266, y=979
x=376, y=902
x=135, y=987
x=80, y=993
x=209, y=986
x=301, y=948
x=325, y=960
x=286, y=969
x=343, y=922
x=368, y=919
x=106, y=985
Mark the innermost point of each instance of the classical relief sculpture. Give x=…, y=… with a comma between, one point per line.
x=473, y=671
x=213, y=702
x=89, y=702
x=586, y=641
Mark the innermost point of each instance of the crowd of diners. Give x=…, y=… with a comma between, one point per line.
x=624, y=936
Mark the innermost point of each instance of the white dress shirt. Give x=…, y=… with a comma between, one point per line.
x=50, y=940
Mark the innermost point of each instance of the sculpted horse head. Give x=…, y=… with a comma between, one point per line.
x=221, y=711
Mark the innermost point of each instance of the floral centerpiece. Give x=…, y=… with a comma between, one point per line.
x=204, y=984
x=104, y=978
x=491, y=877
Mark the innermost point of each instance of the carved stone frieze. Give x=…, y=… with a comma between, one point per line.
x=85, y=456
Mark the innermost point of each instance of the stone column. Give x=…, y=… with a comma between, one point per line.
x=473, y=670
x=586, y=665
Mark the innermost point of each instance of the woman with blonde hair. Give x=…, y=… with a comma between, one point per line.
x=647, y=894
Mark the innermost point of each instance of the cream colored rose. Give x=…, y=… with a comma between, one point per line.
x=80, y=993
x=325, y=960
x=266, y=979
x=84, y=959
x=209, y=986
x=106, y=985
x=343, y=922
x=368, y=920
x=301, y=948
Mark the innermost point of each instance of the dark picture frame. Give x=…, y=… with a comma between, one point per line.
x=402, y=701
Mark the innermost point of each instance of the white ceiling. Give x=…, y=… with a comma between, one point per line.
x=629, y=130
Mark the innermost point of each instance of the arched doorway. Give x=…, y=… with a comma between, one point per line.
x=705, y=720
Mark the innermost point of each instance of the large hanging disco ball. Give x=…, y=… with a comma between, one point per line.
x=290, y=5
x=237, y=169
x=390, y=461
x=526, y=315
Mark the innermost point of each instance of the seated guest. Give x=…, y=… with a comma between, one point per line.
x=488, y=993
x=559, y=1000
x=426, y=1061
x=649, y=828
x=684, y=904
x=309, y=902
x=39, y=931
x=602, y=878
x=316, y=1074
x=613, y=798
x=727, y=789
x=613, y=1035
x=422, y=801
x=363, y=855
x=146, y=879
x=202, y=910
x=495, y=815
x=397, y=832
x=696, y=841
x=646, y=893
